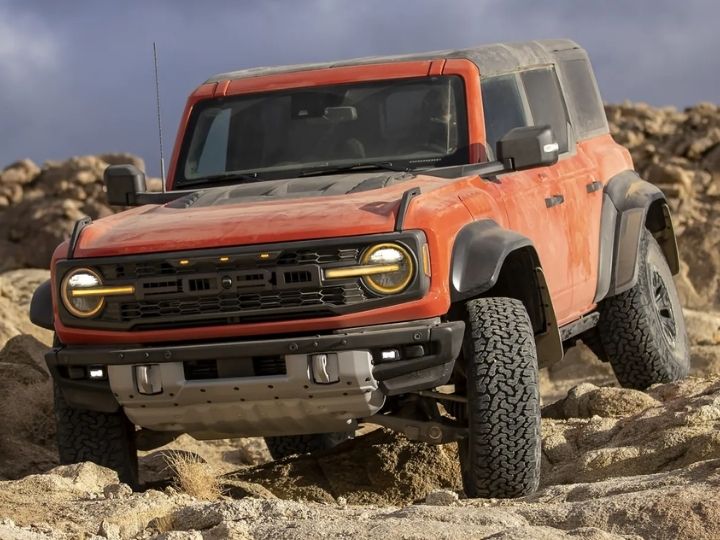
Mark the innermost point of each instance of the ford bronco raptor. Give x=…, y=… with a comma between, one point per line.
x=400, y=241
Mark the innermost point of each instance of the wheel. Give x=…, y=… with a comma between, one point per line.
x=642, y=330
x=107, y=439
x=500, y=458
x=290, y=445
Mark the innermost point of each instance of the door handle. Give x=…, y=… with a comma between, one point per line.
x=594, y=186
x=554, y=200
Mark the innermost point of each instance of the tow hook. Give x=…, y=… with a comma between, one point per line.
x=148, y=379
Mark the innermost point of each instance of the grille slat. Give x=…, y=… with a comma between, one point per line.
x=336, y=296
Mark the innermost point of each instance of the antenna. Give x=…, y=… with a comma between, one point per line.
x=157, y=100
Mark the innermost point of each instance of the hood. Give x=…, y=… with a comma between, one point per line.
x=257, y=213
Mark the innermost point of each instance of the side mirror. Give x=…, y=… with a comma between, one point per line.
x=527, y=147
x=124, y=183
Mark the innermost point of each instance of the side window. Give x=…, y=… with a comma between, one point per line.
x=546, y=103
x=208, y=151
x=583, y=97
x=502, y=106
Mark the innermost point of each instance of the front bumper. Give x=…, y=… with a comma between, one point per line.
x=227, y=402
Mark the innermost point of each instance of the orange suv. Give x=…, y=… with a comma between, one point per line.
x=401, y=241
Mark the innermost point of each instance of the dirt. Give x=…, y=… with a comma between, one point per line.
x=617, y=463
x=379, y=468
x=624, y=484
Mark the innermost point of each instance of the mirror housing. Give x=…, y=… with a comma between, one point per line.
x=527, y=147
x=123, y=184
x=338, y=115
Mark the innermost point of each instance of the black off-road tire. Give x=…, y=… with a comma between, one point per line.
x=107, y=439
x=642, y=330
x=501, y=456
x=290, y=445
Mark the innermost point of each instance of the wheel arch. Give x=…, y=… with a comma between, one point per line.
x=488, y=260
x=629, y=205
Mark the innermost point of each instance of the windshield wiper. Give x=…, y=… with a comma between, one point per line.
x=225, y=178
x=384, y=165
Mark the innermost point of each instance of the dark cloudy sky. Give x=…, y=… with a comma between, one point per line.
x=76, y=76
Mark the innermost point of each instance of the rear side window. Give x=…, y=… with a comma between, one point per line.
x=583, y=97
x=546, y=103
x=503, y=108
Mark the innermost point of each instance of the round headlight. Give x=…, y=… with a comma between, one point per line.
x=71, y=290
x=394, y=281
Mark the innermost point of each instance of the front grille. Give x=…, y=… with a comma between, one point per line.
x=325, y=296
x=238, y=285
x=244, y=287
x=285, y=258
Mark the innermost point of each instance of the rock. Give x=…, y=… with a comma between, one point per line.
x=88, y=477
x=232, y=529
x=27, y=444
x=39, y=207
x=441, y=497
x=18, y=286
x=14, y=320
x=24, y=350
x=673, y=179
x=11, y=531
x=587, y=400
x=183, y=535
x=681, y=427
x=703, y=328
x=237, y=489
x=19, y=173
x=578, y=366
x=117, y=491
x=111, y=531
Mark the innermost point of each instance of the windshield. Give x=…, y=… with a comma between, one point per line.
x=394, y=124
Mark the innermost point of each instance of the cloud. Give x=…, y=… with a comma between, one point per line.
x=27, y=49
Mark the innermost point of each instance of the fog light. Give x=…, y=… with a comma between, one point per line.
x=96, y=373
x=390, y=355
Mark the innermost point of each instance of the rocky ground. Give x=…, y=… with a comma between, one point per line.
x=616, y=463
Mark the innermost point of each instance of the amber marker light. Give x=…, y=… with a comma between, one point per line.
x=426, y=259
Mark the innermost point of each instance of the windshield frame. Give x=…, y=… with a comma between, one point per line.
x=462, y=154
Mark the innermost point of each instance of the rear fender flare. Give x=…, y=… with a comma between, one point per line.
x=629, y=205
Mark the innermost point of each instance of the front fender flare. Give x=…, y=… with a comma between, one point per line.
x=41, y=306
x=479, y=252
x=490, y=260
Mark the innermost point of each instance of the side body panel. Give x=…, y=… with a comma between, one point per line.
x=528, y=199
x=597, y=161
